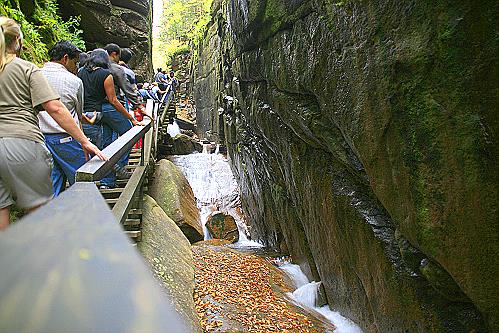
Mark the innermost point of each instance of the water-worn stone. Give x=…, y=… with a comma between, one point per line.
x=169, y=254
x=364, y=134
x=183, y=145
x=126, y=23
x=240, y=292
x=222, y=226
x=172, y=192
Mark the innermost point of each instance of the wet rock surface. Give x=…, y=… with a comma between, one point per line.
x=222, y=226
x=184, y=144
x=126, y=23
x=363, y=135
x=172, y=192
x=238, y=292
x=169, y=254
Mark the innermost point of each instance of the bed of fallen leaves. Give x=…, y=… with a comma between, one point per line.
x=238, y=292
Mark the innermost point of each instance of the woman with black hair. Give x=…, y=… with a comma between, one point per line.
x=99, y=91
x=94, y=74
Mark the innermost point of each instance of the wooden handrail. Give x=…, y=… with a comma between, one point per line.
x=96, y=169
x=131, y=190
x=68, y=267
x=169, y=97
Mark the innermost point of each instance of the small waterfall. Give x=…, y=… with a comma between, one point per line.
x=205, y=148
x=306, y=295
x=296, y=274
x=215, y=189
x=173, y=129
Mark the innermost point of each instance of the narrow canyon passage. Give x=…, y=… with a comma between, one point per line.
x=317, y=165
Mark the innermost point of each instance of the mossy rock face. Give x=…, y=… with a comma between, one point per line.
x=174, y=195
x=183, y=145
x=382, y=114
x=169, y=254
x=222, y=226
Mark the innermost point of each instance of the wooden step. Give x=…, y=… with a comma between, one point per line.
x=121, y=182
x=132, y=222
x=112, y=201
x=136, y=234
x=135, y=211
x=112, y=190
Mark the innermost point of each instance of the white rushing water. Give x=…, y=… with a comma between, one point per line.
x=215, y=189
x=173, y=129
x=306, y=295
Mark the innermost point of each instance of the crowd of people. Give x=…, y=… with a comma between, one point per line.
x=160, y=86
x=53, y=119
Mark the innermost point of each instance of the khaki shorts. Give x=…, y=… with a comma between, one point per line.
x=25, y=168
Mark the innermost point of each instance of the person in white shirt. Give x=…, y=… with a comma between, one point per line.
x=67, y=153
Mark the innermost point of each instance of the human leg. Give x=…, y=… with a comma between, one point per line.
x=4, y=217
x=114, y=123
x=94, y=133
x=57, y=175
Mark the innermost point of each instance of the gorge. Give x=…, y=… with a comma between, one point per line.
x=363, y=136
x=363, y=139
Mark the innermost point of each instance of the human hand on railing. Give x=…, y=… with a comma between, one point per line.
x=90, y=149
x=135, y=122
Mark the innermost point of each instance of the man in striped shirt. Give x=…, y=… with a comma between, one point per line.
x=67, y=153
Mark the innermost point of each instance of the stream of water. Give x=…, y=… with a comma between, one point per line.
x=307, y=293
x=216, y=189
x=173, y=129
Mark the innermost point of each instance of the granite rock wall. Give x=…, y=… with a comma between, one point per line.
x=364, y=137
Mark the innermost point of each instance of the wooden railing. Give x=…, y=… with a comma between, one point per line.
x=69, y=267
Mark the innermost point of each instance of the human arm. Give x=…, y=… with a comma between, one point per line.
x=122, y=82
x=61, y=115
x=113, y=100
x=79, y=100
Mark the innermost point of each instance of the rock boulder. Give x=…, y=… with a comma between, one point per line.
x=222, y=226
x=169, y=253
x=183, y=145
x=174, y=195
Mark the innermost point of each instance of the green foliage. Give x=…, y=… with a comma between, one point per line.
x=183, y=23
x=43, y=28
x=53, y=28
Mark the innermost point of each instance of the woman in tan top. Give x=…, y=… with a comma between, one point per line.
x=25, y=162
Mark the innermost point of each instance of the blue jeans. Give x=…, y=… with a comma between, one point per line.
x=94, y=133
x=68, y=157
x=113, y=123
